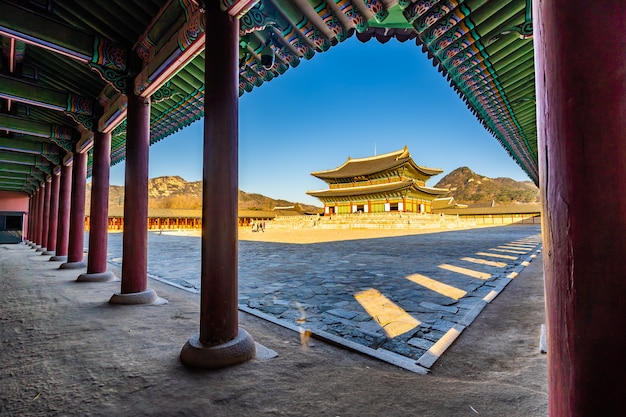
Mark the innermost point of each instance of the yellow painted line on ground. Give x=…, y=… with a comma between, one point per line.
x=393, y=319
x=442, y=344
x=508, y=251
x=437, y=286
x=490, y=296
x=485, y=262
x=466, y=271
x=518, y=249
x=497, y=255
x=512, y=275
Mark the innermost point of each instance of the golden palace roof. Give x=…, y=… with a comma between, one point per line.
x=369, y=166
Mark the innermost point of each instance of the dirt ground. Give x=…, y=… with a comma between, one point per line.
x=66, y=351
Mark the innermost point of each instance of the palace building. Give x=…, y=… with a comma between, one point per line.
x=391, y=182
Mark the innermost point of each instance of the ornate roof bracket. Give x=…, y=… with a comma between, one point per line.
x=166, y=91
x=353, y=14
x=330, y=19
x=86, y=121
x=116, y=79
x=114, y=115
x=171, y=54
x=378, y=9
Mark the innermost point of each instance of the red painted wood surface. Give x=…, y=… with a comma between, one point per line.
x=135, y=239
x=46, y=215
x=65, y=191
x=54, y=212
x=41, y=195
x=580, y=57
x=218, y=305
x=77, y=209
x=99, y=213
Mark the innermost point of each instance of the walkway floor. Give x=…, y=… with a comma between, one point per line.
x=66, y=351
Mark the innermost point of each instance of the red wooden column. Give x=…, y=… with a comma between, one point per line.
x=54, y=214
x=36, y=212
x=99, y=215
x=134, y=288
x=46, y=217
x=63, y=229
x=31, y=216
x=220, y=342
x=580, y=59
x=40, y=202
x=77, y=214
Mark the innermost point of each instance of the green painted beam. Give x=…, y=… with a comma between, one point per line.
x=49, y=151
x=30, y=127
x=19, y=158
x=12, y=188
x=31, y=173
x=47, y=33
x=15, y=183
x=24, y=146
x=13, y=176
x=11, y=161
x=36, y=95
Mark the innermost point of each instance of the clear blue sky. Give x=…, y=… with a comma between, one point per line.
x=354, y=100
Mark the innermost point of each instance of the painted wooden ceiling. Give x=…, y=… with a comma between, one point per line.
x=66, y=65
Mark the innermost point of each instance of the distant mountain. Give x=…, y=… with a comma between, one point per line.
x=173, y=192
x=468, y=187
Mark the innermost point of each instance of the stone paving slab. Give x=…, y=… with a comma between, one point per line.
x=377, y=294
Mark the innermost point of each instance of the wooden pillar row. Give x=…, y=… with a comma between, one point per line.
x=45, y=219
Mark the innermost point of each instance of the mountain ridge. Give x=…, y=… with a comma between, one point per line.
x=468, y=187
x=174, y=192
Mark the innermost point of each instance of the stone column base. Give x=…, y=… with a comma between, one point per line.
x=49, y=252
x=236, y=351
x=96, y=277
x=73, y=265
x=59, y=258
x=148, y=296
x=41, y=249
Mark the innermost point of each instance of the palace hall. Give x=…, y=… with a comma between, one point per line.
x=390, y=182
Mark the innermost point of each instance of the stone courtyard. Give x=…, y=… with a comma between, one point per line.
x=402, y=299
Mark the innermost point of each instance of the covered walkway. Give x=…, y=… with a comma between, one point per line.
x=67, y=351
